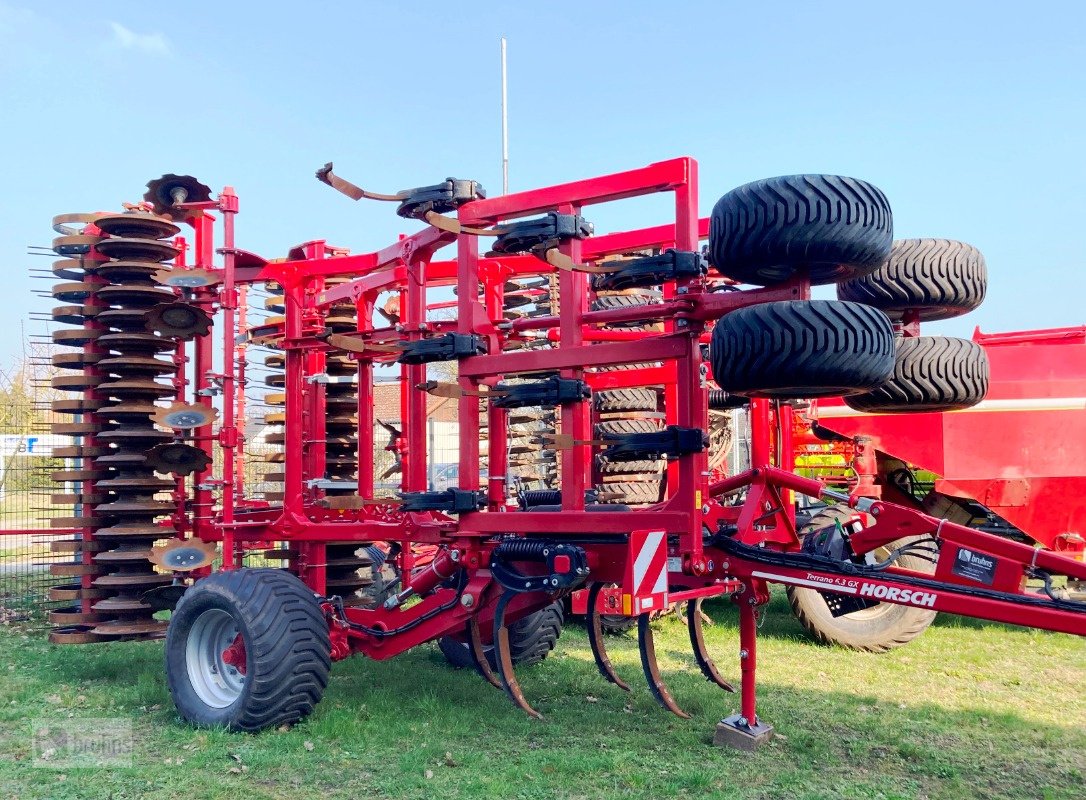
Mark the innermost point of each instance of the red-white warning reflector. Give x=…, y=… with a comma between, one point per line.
x=645, y=586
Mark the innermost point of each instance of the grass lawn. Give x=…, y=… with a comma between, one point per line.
x=967, y=710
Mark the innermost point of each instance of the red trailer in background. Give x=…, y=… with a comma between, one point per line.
x=1020, y=453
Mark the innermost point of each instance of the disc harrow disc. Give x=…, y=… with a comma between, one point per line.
x=136, y=225
x=126, y=249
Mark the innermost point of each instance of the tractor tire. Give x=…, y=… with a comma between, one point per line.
x=877, y=629
x=626, y=467
x=619, y=427
x=825, y=226
x=531, y=639
x=931, y=373
x=793, y=348
x=286, y=649
x=626, y=400
x=938, y=278
x=632, y=493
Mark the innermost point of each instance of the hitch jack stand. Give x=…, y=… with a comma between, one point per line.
x=744, y=731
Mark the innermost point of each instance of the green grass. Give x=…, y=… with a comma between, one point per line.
x=967, y=710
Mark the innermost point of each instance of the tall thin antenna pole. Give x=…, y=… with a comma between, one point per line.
x=505, y=125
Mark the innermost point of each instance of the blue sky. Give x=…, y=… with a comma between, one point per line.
x=969, y=115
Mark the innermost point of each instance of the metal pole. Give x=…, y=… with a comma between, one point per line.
x=505, y=126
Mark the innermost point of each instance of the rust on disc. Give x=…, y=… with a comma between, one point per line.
x=136, y=224
x=73, y=570
x=73, y=591
x=131, y=628
x=124, y=249
x=76, y=337
x=73, y=636
x=74, y=616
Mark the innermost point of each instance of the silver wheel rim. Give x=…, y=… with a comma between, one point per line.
x=215, y=682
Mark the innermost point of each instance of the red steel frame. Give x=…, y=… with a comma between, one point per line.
x=699, y=565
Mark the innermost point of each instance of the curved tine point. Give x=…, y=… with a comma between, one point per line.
x=504, y=660
x=478, y=655
x=652, y=669
x=595, y=639
x=697, y=642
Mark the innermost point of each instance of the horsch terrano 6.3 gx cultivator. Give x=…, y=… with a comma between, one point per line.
x=584, y=365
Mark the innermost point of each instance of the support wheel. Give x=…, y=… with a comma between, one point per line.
x=931, y=373
x=531, y=640
x=877, y=629
x=937, y=278
x=247, y=649
x=793, y=348
x=827, y=227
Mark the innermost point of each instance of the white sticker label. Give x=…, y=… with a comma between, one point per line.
x=674, y=564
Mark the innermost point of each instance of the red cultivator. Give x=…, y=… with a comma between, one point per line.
x=601, y=394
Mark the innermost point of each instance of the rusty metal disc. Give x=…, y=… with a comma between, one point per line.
x=133, y=295
x=75, y=428
x=120, y=460
x=134, y=342
x=177, y=459
x=275, y=418
x=73, y=635
x=186, y=278
x=275, y=398
x=152, y=628
x=136, y=365
x=276, y=380
x=75, y=244
x=122, y=604
x=75, y=315
x=145, y=508
x=74, y=546
x=183, y=555
x=73, y=615
x=275, y=361
x=178, y=320
x=128, y=412
x=79, y=521
x=79, y=405
x=122, y=555
x=132, y=579
x=134, y=530
x=73, y=570
x=135, y=387
x=74, y=383
x=126, y=249
x=77, y=475
x=74, y=591
x=76, y=337
x=137, y=485
x=274, y=458
x=79, y=451
x=136, y=224
x=166, y=193
x=72, y=269
x=123, y=319
x=136, y=434
x=275, y=303
x=275, y=477
x=75, y=360
x=71, y=498
x=120, y=271
x=73, y=223
x=75, y=292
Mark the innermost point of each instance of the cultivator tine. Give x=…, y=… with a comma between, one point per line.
x=504, y=659
x=325, y=175
x=652, y=669
x=450, y=225
x=697, y=641
x=595, y=639
x=559, y=260
x=478, y=656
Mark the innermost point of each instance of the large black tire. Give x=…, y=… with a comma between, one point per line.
x=632, y=493
x=531, y=639
x=287, y=650
x=830, y=227
x=939, y=278
x=793, y=348
x=931, y=373
x=877, y=629
x=626, y=400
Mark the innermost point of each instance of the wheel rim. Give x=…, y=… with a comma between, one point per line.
x=215, y=682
